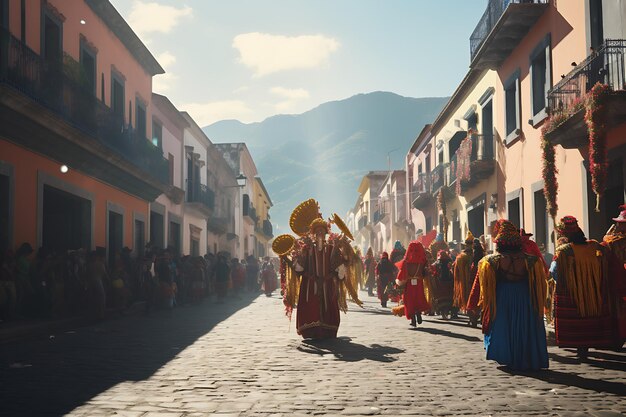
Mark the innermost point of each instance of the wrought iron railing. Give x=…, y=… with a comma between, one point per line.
x=422, y=184
x=452, y=170
x=495, y=9
x=438, y=177
x=57, y=85
x=482, y=147
x=267, y=228
x=605, y=66
x=200, y=193
x=363, y=221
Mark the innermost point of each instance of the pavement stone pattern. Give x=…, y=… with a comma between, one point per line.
x=244, y=358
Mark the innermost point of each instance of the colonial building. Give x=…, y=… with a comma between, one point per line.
x=77, y=169
x=166, y=213
x=263, y=230
x=238, y=157
x=390, y=215
x=366, y=204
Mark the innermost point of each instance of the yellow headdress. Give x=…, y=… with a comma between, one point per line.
x=283, y=244
x=469, y=239
x=303, y=215
x=342, y=226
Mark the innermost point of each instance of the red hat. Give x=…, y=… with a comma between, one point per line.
x=568, y=226
x=384, y=255
x=508, y=235
x=622, y=215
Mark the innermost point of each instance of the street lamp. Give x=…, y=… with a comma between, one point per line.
x=241, y=181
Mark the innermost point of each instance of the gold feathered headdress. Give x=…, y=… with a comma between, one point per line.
x=303, y=215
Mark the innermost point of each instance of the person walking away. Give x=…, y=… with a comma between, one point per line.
x=96, y=276
x=582, y=317
x=268, y=276
x=252, y=274
x=463, y=277
x=238, y=276
x=412, y=270
x=370, y=271
x=512, y=295
x=615, y=242
x=222, y=276
x=442, y=284
x=385, y=271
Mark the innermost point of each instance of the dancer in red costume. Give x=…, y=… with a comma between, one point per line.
x=411, y=276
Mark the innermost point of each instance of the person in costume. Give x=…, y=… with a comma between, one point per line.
x=320, y=274
x=359, y=268
x=581, y=309
x=512, y=295
x=397, y=253
x=463, y=277
x=369, y=268
x=530, y=247
x=442, y=284
x=437, y=245
x=615, y=241
x=385, y=271
x=478, y=252
x=412, y=270
x=268, y=276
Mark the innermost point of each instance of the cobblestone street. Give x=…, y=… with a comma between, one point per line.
x=245, y=359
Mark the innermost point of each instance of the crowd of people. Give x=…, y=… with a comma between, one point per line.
x=54, y=284
x=512, y=291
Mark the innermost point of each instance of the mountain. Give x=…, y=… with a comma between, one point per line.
x=324, y=152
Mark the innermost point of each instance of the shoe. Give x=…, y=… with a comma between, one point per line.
x=413, y=322
x=418, y=317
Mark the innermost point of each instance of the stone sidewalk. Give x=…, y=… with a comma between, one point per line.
x=244, y=358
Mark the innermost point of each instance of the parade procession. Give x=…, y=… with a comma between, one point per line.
x=253, y=208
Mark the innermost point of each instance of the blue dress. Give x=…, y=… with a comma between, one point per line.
x=517, y=337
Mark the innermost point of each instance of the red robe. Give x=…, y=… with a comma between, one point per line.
x=318, y=308
x=414, y=298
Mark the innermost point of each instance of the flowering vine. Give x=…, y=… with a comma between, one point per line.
x=443, y=207
x=463, y=161
x=595, y=118
x=549, y=172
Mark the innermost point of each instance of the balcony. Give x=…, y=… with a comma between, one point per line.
x=482, y=163
x=200, y=196
x=219, y=225
x=249, y=214
x=437, y=178
x=501, y=28
x=421, y=191
x=566, y=100
x=363, y=222
x=46, y=108
x=267, y=229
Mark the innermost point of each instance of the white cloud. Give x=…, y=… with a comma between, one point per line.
x=291, y=96
x=150, y=17
x=166, y=59
x=163, y=82
x=242, y=89
x=267, y=54
x=290, y=93
x=206, y=113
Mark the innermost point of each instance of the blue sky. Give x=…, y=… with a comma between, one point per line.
x=251, y=59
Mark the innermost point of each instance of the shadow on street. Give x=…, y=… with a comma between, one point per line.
x=345, y=350
x=56, y=374
x=447, y=334
x=572, y=380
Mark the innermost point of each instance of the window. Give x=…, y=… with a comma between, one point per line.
x=4, y=13
x=117, y=95
x=596, y=24
x=541, y=80
x=23, y=21
x=88, y=65
x=52, y=39
x=429, y=224
x=440, y=157
x=511, y=106
x=157, y=133
x=140, y=241
x=170, y=161
x=102, y=87
x=140, y=118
